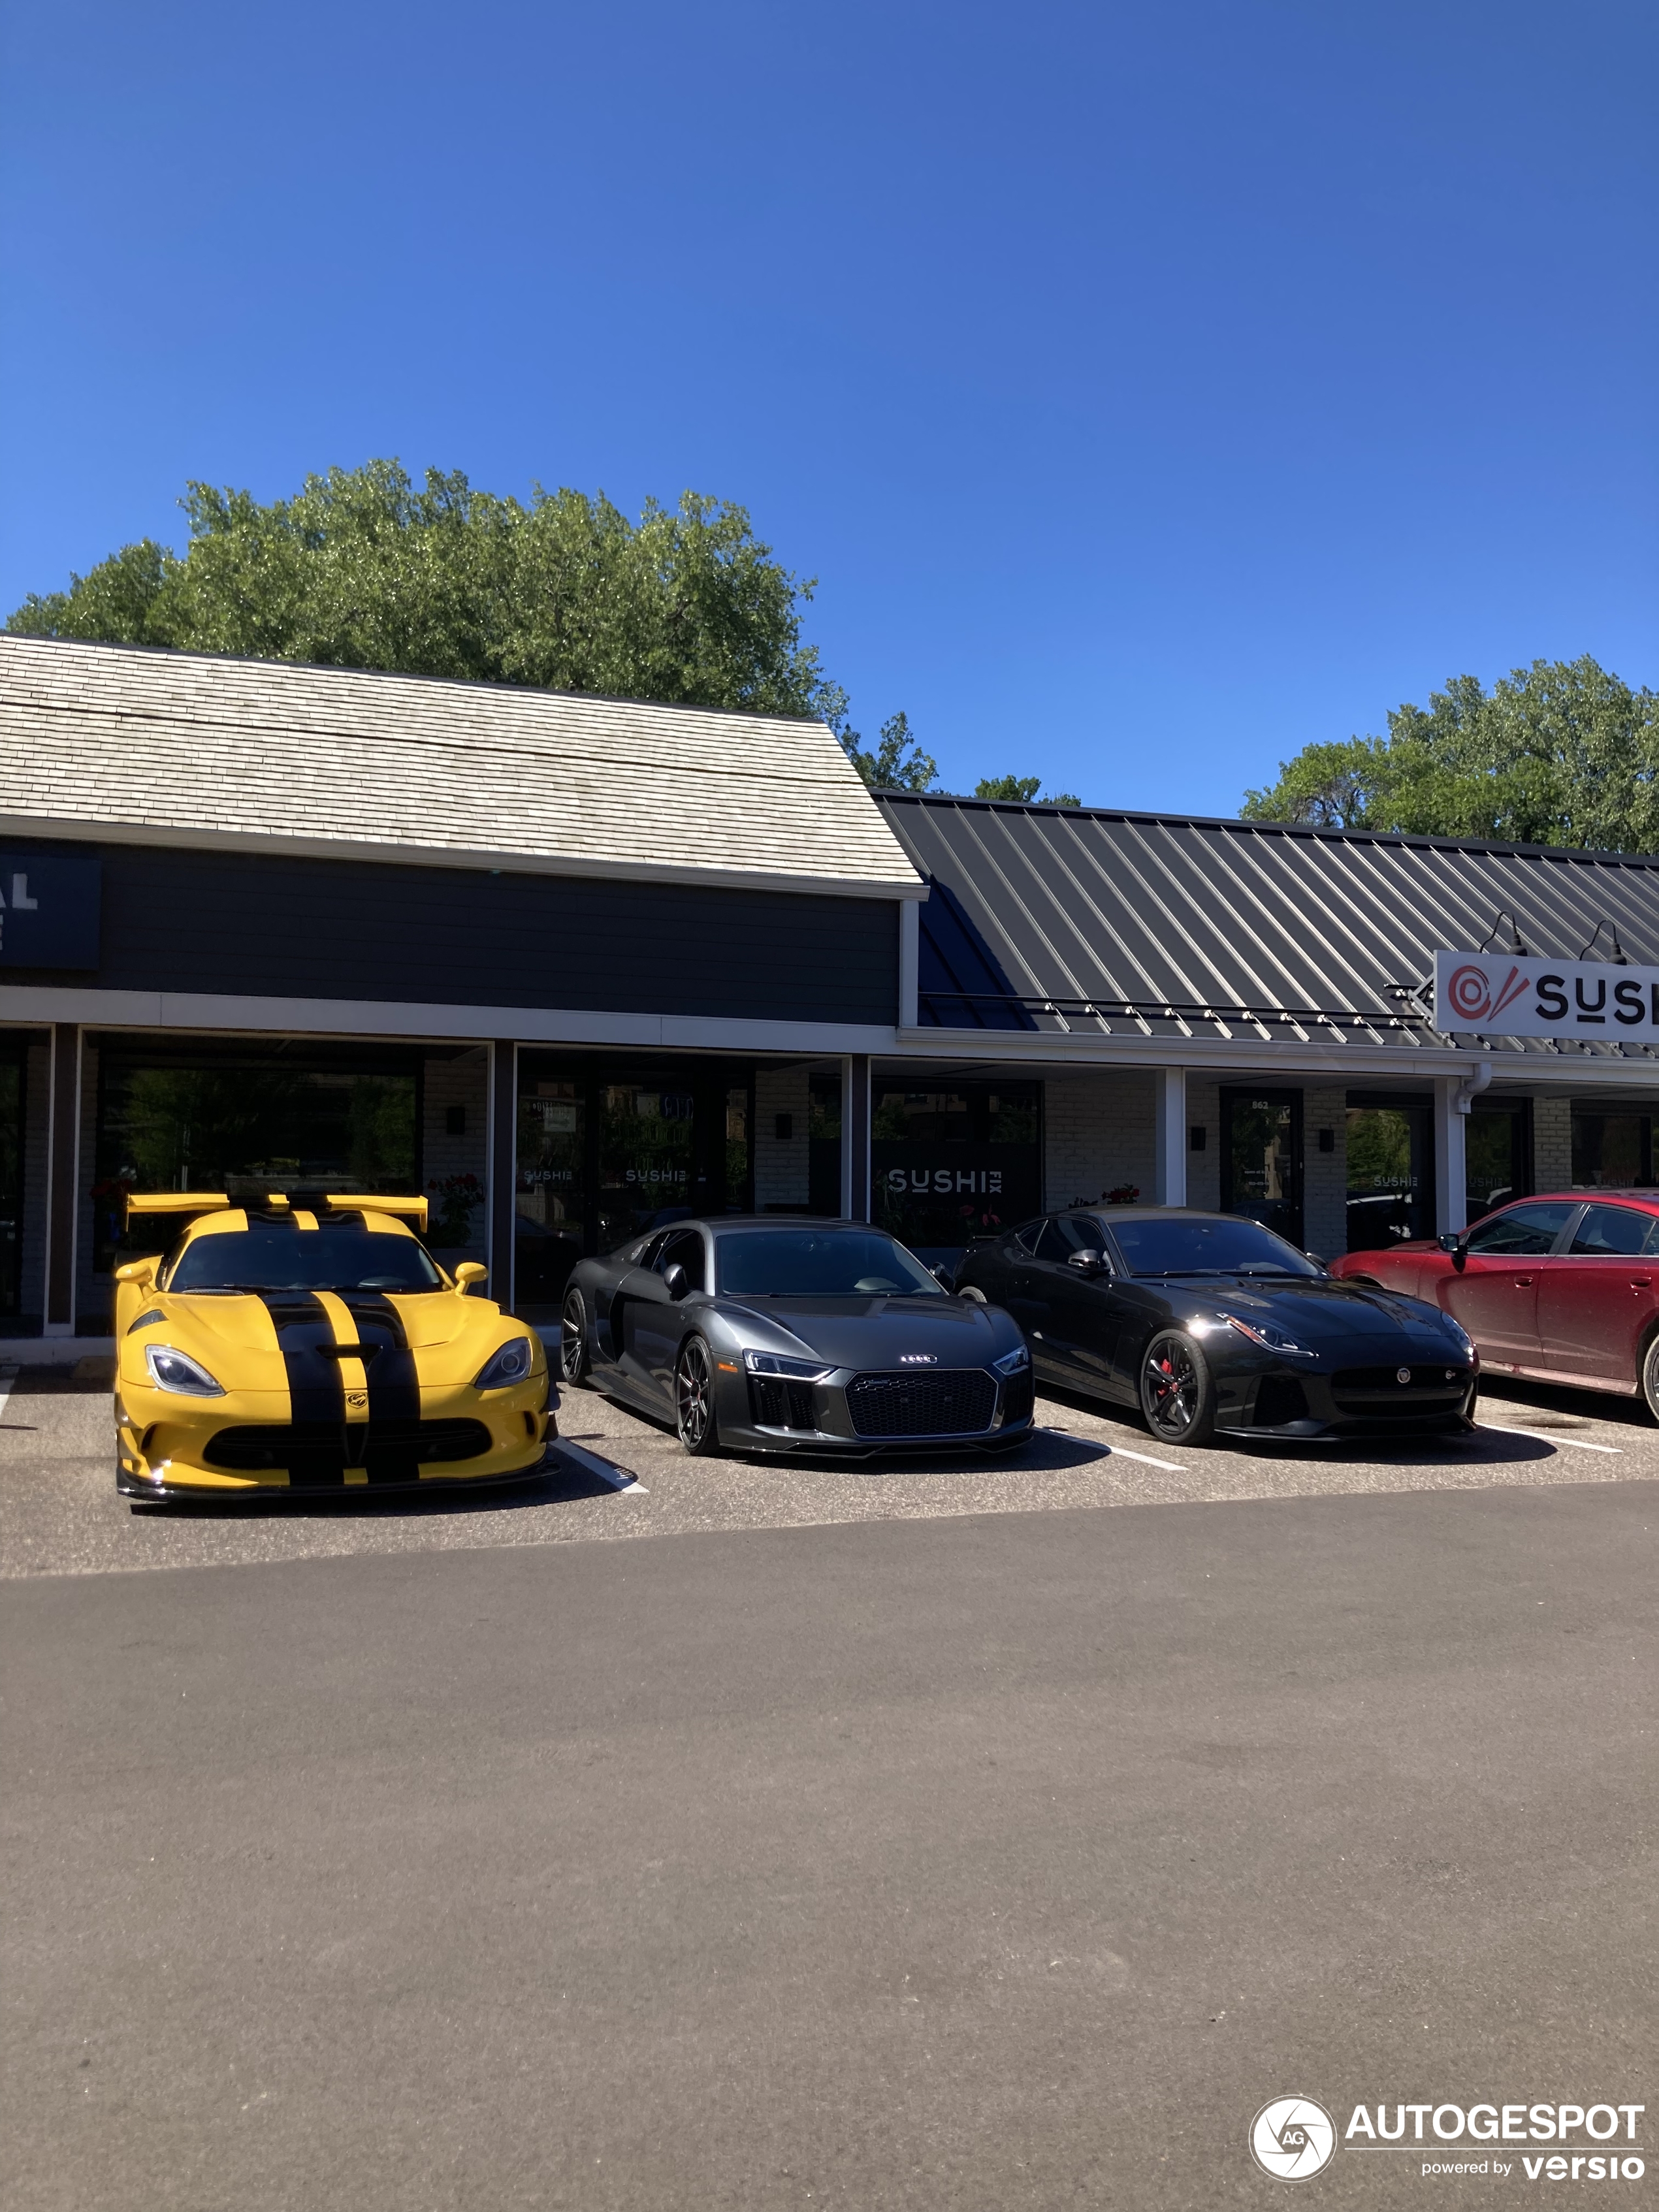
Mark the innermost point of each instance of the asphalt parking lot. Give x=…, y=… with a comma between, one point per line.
x=922, y=1836
x=622, y=1478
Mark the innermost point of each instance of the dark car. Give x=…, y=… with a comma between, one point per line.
x=1209, y=1322
x=1562, y=1289
x=757, y=1335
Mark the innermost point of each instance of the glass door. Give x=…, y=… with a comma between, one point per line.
x=1261, y=1158
x=1390, y=1172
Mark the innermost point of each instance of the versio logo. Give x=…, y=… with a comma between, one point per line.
x=1292, y=2138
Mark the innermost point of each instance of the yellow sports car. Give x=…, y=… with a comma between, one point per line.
x=288, y=1344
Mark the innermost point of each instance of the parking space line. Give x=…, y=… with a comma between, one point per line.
x=619, y=1478
x=7, y=1376
x=1542, y=1436
x=1121, y=1451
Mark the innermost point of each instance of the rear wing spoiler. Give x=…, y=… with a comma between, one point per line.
x=175, y=1201
x=218, y=1202
x=358, y=1202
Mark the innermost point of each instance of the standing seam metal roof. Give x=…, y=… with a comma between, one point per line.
x=1086, y=920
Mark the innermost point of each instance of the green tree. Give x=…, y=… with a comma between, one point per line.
x=1561, y=753
x=362, y=568
x=898, y=764
x=1023, y=790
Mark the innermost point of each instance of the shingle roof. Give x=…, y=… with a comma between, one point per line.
x=1085, y=920
x=116, y=741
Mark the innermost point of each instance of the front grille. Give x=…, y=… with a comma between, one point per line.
x=317, y=1451
x=782, y=1405
x=960, y=1402
x=1279, y=1399
x=1376, y=1394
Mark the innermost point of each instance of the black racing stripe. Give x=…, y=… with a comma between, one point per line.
x=315, y=1390
x=394, y=1389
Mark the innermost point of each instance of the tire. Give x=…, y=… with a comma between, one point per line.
x=574, y=1358
x=695, y=1422
x=1177, y=1390
x=968, y=1291
x=1651, y=1374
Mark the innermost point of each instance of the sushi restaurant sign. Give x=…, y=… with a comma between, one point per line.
x=1505, y=994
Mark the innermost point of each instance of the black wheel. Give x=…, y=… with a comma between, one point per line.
x=694, y=1399
x=573, y=1340
x=1177, y=1391
x=1650, y=1376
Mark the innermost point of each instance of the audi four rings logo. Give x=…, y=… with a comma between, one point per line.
x=1292, y=2138
x=918, y=1359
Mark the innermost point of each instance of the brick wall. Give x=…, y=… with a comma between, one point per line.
x=1552, y=1144
x=780, y=1163
x=1098, y=1133
x=1325, y=1174
x=1204, y=1169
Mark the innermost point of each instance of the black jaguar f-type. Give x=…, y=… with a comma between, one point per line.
x=1210, y=1322
x=757, y=1335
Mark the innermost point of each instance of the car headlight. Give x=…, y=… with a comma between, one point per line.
x=512, y=1364
x=1014, y=1362
x=1263, y=1333
x=178, y=1372
x=773, y=1363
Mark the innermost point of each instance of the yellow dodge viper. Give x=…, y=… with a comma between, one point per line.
x=312, y=1344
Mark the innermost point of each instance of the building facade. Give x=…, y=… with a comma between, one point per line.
x=572, y=966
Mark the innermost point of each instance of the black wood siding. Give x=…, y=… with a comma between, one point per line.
x=177, y=921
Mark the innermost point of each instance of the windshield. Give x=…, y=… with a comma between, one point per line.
x=1200, y=1247
x=818, y=1262
x=274, y=1256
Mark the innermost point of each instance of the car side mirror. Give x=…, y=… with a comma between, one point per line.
x=137, y=1271
x=1454, y=1241
x=1323, y=1266
x=1086, y=1263
x=676, y=1281
x=942, y=1276
x=469, y=1272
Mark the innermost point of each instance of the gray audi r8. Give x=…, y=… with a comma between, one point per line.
x=1211, y=1323
x=756, y=1335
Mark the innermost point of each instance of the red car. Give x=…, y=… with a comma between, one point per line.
x=1562, y=1289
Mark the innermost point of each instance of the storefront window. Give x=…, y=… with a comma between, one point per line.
x=1612, y=1151
x=1390, y=1151
x=824, y=1146
x=953, y=1162
x=607, y=1151
x=550, y=1203
x=1261, y=1158
x=736, y=1150
x=645, y=1158
x=205, y=1117
x=11, y=1174
x=1498, y=1156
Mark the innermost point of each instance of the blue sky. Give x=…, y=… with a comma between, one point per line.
x=1152, y=390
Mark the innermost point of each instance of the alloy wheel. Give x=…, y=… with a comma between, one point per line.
x=573, y=1340
x=694, y=1398
x=1172, y=1389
